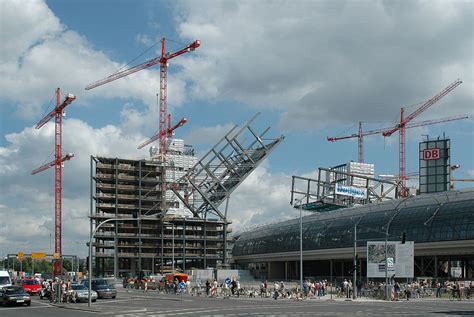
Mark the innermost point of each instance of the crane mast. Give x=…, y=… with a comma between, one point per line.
x=360, y=135
x=401, y=127
x=58, y=114
x=163, y=101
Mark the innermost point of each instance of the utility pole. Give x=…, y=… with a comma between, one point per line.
x=354, y=280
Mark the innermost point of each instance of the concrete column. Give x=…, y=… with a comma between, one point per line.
x=116, y=259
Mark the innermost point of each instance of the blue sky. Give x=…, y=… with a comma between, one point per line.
x=313, y=69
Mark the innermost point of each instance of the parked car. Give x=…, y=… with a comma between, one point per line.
x=14, y=295
x=82, y=293
x=31, y=286
x=103, y=288
x=5, y=279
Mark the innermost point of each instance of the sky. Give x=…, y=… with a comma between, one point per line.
x=312, y=68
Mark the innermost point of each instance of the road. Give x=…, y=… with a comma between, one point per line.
x=136, y=303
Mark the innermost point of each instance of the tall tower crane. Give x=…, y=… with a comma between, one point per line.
x=163, y=130
x=58, y=114
x=405, y=120
x=360, y=135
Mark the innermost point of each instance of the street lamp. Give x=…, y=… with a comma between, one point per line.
x=300, y=207
x=92, y=234
x=397, y=210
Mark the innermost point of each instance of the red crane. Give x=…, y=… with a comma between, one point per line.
x=169, y=132
x=360, y=135
x=57, y=113
x=405, y=120
x=163, y=130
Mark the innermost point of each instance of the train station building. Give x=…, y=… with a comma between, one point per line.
x=441, y=225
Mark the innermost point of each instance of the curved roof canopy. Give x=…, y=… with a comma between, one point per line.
x=436, y=217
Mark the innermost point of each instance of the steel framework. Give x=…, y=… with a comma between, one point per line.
x=219, y=172
x=320, y=194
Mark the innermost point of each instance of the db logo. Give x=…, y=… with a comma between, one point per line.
x=430, y=154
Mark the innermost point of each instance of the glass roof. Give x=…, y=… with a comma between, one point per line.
x=435, y=217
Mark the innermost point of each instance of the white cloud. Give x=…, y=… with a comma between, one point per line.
x=262, y=198
x=332, y=62
x=39, y=54
x=30, y=198
x=315, y=62
x=207, y=135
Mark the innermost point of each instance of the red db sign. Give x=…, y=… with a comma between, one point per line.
x=430, y=154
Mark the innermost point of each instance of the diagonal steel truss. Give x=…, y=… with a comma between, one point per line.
x=219, y=172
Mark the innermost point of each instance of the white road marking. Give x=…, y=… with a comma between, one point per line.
x=22, y=307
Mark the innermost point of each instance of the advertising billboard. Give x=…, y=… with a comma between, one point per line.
x=399, y=259
x=351, y=191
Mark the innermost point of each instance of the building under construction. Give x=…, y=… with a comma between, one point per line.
x=192, y=232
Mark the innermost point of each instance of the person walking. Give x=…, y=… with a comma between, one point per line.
x=275, y=291
x=438, y=289
x=233, y=286
x=214, y=289
x=208, y=288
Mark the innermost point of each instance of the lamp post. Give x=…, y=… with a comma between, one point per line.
x=300, y=201
x=354, y=283
x=386, y=263
x=92, y=234
x=397, y=210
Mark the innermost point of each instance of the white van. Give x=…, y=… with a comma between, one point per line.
x=5, y=279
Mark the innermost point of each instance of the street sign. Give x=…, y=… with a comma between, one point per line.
x=390, y=263
x=56, y=256
x=182, y=284
x=38, y=255
x=228, y=281
x=20, y=256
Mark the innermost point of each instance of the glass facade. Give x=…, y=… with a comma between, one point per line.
x=447, y=216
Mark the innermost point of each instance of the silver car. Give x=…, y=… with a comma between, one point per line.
x=82, y=293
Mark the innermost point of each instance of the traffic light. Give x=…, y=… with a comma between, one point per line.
x=404, y=237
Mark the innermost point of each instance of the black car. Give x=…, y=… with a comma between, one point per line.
x=103, y=288
x=14, y=295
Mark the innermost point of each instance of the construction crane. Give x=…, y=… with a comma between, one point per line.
x=58, y=114
x=360, y=135
x=169, y=132
x=163, y=130
x=401, y=127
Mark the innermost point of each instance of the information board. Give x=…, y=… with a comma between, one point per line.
x=400, y=259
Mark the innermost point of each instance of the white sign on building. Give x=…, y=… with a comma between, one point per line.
x=400, y=259
x=352, y=191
